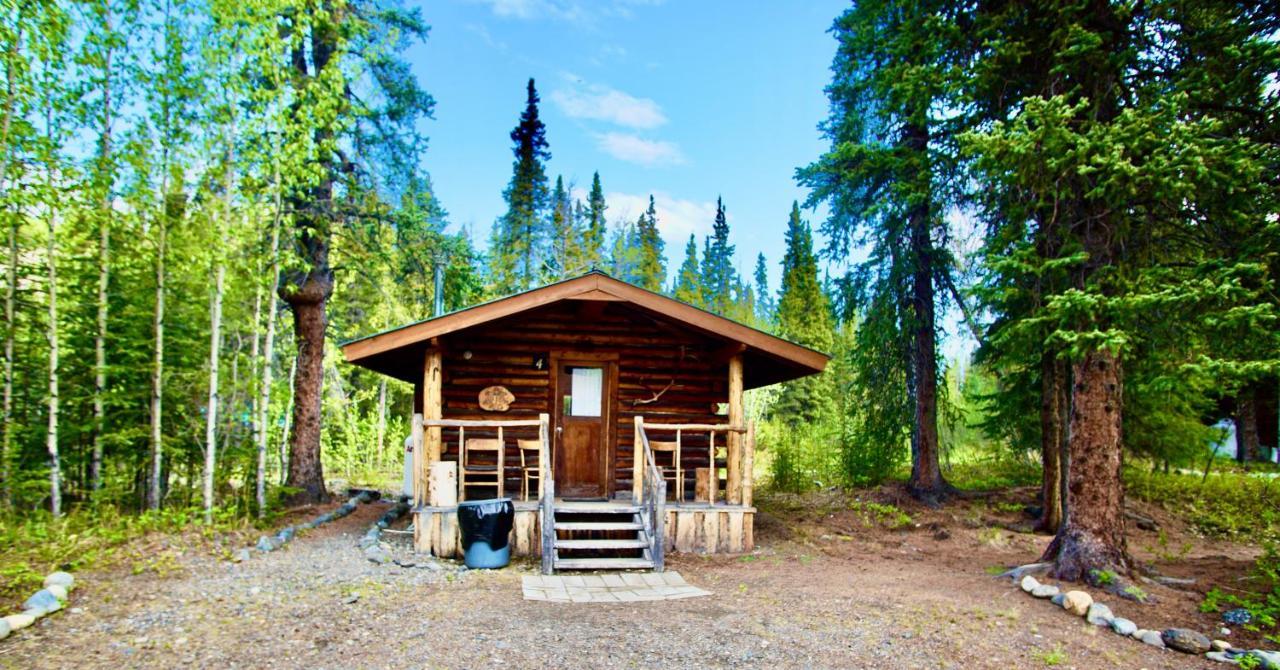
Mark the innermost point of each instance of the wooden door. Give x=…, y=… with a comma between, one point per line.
x=583, y=413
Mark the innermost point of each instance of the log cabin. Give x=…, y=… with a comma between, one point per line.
x=612, y=415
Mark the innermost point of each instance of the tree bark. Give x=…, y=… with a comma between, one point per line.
x=10, y=331
x=382, y=422
x=1092, y=535
x=154, y=491
x=1247, y=440
x=104, y=270
x=1052, y=383
x=51, y=434
x=926, y=483
x=211, y=414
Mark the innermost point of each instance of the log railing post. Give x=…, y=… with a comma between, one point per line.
x=737, y=422
x=432, y=410
x=637, y=465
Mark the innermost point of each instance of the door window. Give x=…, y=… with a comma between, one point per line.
x=586, y=387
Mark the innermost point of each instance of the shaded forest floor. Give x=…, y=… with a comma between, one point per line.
x=837, y=580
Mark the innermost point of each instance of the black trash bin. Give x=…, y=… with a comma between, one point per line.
x=486, y=527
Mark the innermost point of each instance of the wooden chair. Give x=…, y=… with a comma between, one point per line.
x=530, y=469
x=481, y=474
x=673, y=470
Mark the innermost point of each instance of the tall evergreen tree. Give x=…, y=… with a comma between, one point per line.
x=718, y=277
x=566, y=243
x=593, y=234
x=518, y=244
x=804, y=317
x=652, y=270
x=885, y=179
x=688, y=285
x=764, y=301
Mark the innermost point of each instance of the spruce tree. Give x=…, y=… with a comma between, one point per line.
x=885, y=178
x=517, y=246
x=764, y=307
x=652, y=270
x=718, y=277
x=804, y=317
x=688, y=284
x=594, y=228
x=566, y=244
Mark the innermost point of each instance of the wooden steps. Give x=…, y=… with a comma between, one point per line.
x=599, y=525
x=602, y=544
x=587, y=537
x=604, y=564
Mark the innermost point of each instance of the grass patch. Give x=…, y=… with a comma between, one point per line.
x=33, y=546
x=1223, y=505
x=1052, y=657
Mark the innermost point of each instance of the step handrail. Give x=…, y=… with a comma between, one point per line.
x=547, y=495
x=653, y=497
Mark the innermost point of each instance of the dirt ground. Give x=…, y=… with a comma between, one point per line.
x=830, y=588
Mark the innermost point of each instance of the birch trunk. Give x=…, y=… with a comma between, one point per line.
x=268, y=356
x=211, y=416
x=51, y=439
x=382, y=421
x=288, y=420
x=157, y=374
x=104, y=272
x=10, y=297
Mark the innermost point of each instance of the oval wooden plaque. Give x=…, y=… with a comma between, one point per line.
x=496, y=399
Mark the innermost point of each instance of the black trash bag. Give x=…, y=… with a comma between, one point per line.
x=487, y=521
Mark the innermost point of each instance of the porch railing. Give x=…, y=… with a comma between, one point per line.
x=653, y=498
x=546, y=473
x=739, y=465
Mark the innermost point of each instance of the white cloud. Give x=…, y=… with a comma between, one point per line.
x=677, y=218
x=635, y=149
x=601, y=103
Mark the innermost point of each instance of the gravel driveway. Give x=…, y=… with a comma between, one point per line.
x=317, y=603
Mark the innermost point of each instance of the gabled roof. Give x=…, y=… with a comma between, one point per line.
x=774, y=358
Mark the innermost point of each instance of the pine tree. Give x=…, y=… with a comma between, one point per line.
x=885, y=178
x=566, y=245
x=718, y=277
x=688, y=286
x=517, y=246
x=652, y=271
x=593, y=233
x=804, y=317
x=764, y=311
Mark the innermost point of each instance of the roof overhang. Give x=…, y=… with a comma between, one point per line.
x=785, y=360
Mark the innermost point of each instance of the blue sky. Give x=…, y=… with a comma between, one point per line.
x=684, y=100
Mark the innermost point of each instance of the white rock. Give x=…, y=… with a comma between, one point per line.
x=1029, y=583
x=63, y=579
x=19, y=621
x=1151, y=637
x=1077, y=602
x=59, y=591
x=4, y=629
x=1220, y=645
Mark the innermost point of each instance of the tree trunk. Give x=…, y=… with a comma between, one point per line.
x=288, y=424
x=51, y=435
x=1092, y=535
x=306, y=474
x=268, y=356
x=10, y=331
x=154, y=491
x=1052, y=372
x=104, y=271
x=1247, y=441
x=211, y=415
x=926, y=483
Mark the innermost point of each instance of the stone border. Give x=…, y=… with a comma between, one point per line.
x=46, y=601
x=285, y=535
x=1185, y=640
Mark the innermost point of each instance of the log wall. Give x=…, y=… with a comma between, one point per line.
x=665, y=373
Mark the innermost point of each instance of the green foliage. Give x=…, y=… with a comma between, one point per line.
x=879, y=514
x=803, y=317
x=1264, y=603
x=688, y=288
x=718, y=278
x=517, y=247
x=1221, y=505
